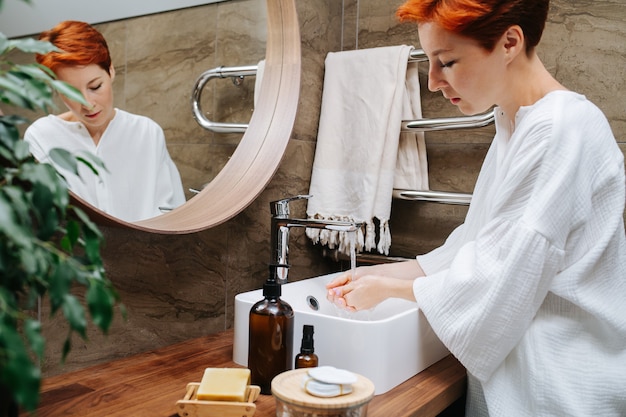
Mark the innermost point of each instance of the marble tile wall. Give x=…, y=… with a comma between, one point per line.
x=178, y=287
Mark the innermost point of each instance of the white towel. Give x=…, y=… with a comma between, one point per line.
x=366, y=95
x=412, y=165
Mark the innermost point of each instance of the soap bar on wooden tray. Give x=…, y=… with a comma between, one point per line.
x=224, y=384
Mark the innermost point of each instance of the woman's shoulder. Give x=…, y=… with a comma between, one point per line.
x=142, y=129
x=565, y=112
x=47, y=124
x=128, y=117
x=48, y=120
x=567, y=106
x=127, y=120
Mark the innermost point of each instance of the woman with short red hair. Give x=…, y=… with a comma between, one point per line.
x=140, y=177
x=529, y=292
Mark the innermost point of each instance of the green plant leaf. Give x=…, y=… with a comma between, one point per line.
x=47, y=176
x=8, y=224
x=68, y=91
x=64, y=159
x=17, y=370
x=59, y=285
x=32, y=329
x=35, y=71
x=88, y=226
x=12, y=92
x=21, y=150
x=67, y=346
x=34, y=203
x=75, y=315
x=92, y=248
x=21, y=205
x=100, y=301
x=37, y=92
x=9, y=133
x=91, y=161
x=72, y=233
x=43, y=199
x=31, y=45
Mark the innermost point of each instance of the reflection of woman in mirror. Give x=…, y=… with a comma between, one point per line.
x=140, y=179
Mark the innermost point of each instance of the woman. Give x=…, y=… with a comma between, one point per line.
x=140, y=177
x=529, y=292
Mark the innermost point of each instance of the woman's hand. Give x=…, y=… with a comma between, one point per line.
x=335, y=293
x=364, y=293
x=373, y=284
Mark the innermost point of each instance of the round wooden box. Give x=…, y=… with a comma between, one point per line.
x=293, y=401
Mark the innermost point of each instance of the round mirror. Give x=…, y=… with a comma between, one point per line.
x=256, y=158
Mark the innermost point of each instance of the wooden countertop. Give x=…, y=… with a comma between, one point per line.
x=149, y=384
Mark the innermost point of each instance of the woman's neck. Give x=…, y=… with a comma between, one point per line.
x=529, y=82
x=95, y=132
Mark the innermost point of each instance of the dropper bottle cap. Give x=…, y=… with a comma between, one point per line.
x=307, y=340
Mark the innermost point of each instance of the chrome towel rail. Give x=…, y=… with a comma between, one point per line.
x=237, y=73
x=433, y=196
x=418, y=55
x=448, y=123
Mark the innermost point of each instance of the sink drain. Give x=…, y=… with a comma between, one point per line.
x=313, y=303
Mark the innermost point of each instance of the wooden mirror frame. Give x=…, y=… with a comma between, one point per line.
x=262, y=146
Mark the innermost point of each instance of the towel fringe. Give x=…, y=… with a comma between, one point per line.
x=384, y=242
x=341, y=240
x=370, y=236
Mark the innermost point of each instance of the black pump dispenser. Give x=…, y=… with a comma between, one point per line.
x=270, y=337
x=272, y=288
x=307, y=357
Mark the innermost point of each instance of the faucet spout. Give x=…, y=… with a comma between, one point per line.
x=282, y=223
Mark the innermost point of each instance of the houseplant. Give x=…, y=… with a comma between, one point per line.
x=49, y=249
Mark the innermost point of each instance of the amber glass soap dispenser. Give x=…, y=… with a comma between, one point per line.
x=270, y=340
x=307, y=357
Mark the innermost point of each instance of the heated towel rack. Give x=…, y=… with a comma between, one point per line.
x=237, y=74
x=435, y=124
x=421, y=125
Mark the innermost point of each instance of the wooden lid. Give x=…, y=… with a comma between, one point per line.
x=287, y=387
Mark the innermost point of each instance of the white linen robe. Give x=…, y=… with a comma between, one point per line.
x=530, y=292
x=140, y=176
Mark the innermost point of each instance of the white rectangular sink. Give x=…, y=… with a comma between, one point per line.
x=388, y=344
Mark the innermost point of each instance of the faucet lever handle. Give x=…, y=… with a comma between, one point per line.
x=281, y=207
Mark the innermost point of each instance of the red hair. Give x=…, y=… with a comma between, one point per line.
x=80, y=44
x=482, y=20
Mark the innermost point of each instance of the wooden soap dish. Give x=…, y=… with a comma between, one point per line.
x=190, y=406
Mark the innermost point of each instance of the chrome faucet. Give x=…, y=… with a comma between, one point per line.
x=281, y=223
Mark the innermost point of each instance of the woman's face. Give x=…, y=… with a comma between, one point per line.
x=467, y=74
x=96, y=85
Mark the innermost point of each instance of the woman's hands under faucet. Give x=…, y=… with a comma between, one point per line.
x=373, y=284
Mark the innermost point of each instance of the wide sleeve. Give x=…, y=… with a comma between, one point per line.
x=483, y=303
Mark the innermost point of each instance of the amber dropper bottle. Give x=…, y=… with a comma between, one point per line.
x=307, y=357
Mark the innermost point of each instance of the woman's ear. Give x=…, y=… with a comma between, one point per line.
x=513, y=42
x=112, y=72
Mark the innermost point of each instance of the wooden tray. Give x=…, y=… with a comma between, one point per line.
x=190, y=406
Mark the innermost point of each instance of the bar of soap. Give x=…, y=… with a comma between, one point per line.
x=224, y=384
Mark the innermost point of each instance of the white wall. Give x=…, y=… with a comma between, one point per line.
x=19, y=19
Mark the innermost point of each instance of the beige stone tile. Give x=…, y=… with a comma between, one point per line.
x=320, y=23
